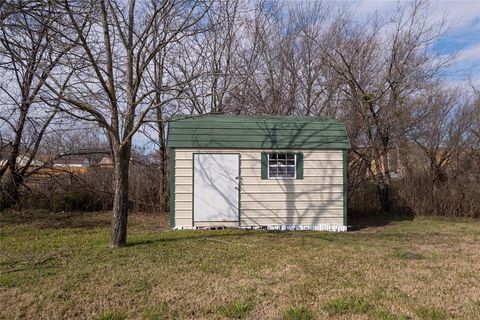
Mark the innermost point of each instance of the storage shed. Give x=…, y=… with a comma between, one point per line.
x=258, y=172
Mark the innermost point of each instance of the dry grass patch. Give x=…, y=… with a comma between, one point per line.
x=57, y=266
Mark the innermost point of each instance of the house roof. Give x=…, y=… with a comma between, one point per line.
x=259, y=132
x=106, y=161
x=71, y=159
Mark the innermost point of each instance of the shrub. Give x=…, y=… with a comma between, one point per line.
x=78, y=201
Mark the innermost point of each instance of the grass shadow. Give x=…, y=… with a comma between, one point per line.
x=207, y=235
x=360, y=221
x=56, y=220
x=43, y=219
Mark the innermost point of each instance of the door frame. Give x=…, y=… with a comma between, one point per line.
x=238, y=183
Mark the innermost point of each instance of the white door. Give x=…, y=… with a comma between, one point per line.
x=215, y=187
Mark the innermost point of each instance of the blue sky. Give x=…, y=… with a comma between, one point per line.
x=462, y=38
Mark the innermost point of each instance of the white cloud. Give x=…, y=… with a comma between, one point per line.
x=368, y=7
x=468, y=54
x=458, y=13
x=463, y=37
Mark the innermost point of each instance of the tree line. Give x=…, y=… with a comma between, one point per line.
x=105, y=76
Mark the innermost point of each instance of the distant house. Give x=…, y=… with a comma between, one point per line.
x=407, y=155
x=106, y=162
x=22, y=159
x=72, y=162
x=395, y=165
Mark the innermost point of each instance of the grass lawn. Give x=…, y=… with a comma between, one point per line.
x=60, y=266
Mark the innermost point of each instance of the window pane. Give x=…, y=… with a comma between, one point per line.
x=282, y=171
x=290, y=162
x=290, y=172
x=290, y=156
x=272, y=159
x=272, y=171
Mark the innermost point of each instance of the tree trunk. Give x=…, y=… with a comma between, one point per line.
x=383, y=183
x=384, y=195
x=164, y=185
x=121, y=160
x=14, y=179
x=11, y=189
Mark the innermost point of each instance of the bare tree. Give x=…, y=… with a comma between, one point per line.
x=442, y=160
x=271, y=88
x=309, y=24
x=111, y=83
x=442, y=133
x=29, y=52
x=382, y=65
x=476, y=113
x=208, y=67
x=289, y=74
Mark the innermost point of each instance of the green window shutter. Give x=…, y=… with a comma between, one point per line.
x=264, y=161
x=299, y=167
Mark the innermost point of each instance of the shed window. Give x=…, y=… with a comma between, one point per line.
x=282, y=165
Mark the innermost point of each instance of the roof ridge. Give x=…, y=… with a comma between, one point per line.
x=233, y=116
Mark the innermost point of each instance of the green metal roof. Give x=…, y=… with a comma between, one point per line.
x=262, y=132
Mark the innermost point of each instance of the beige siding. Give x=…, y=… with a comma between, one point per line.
x=250, y=171
x=283, y=220
x=316, y=199
x=291, y=183
x=292, y=204
x=299, y=196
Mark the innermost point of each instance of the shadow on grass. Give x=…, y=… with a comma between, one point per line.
x=221, y=236
x=207, y=235
x=92, y=220
x=358, y=221
x=56, y=220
